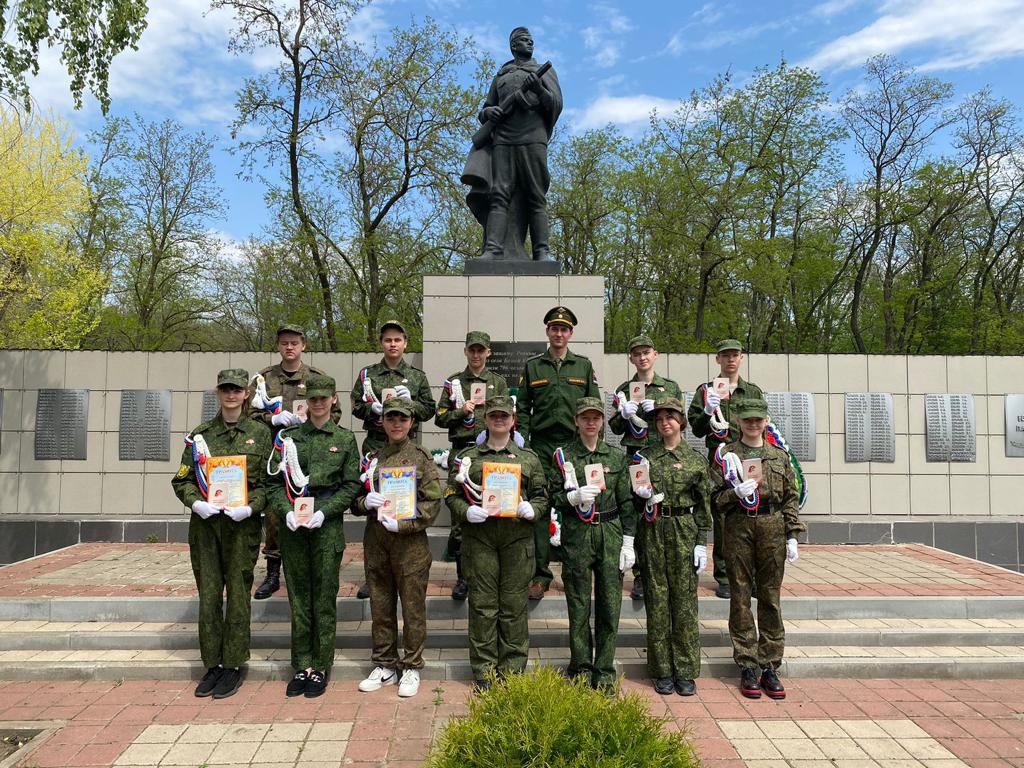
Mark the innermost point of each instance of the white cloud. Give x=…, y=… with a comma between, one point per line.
x=604, y=39
x=624, y=111
x=831, y=8
x=956, y=35
x=687, y=40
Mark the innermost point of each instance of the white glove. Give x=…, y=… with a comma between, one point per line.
x=291, y=522
x=700, y=557
x=525, y=510
x=518, y=439
x=403, y=392
x=644, y=491
x=711, y=402
x=628, y=409
x=647, y=404
x=316, y=520
x=374, y=500
x=476, y=514
x=584, y=497
x=389, y=523
x=377, y=408
x=204, y=509
x=285, y=419
x=791, y=551
x=238, y=514
x=745, y=489
x=627, y=555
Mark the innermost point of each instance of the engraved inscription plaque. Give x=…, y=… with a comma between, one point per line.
x=609, y=410
x=949, y=428
x=508, y=358
x=1014, y=426
x=793, y=414
x=210, y=406
x=62, y=422
x=697, y=443
x=870, y=433
x=145, y=427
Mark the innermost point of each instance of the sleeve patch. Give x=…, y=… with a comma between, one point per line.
x=182, y=471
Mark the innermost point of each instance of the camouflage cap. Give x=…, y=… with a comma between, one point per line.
x=589, y=404
x=499, y=404
x=753, y=408
x=233, y=377
x=398, y=405
x=320, y=385
x=640, y=341
x=478, y=338
x=728, y=344
x=393, y=324
x=669, y=404
x=291, y=328
x=560, y=315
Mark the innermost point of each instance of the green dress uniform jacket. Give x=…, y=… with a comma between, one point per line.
x=382, y=377
x=658, y=388
x=453, y=419
x=498, y=561
x=590, y=561
x=312, y=557
x=223, y=552
x=756, y=554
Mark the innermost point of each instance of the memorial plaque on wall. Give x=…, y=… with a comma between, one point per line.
x=210, y=406
x=1014, y=426
x=62, y=423
x=697, y=443
x=793, y=414
x=145, y=429
x=870, y=432
x=950, y=428
x=609, y=411
x=508, y=358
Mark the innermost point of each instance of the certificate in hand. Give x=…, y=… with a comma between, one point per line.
x=304, y=506
x=752, y=470
x=637, y=391
x=639, y=476
x=478, y=392
x=501, y=484
x=595, y=475
x=228, y=481
x=398, y=487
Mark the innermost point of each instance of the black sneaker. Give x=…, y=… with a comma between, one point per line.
x=637, y=592
x=229, y=683
x=209, y=682
x=317, y=684
x=771, y=684
x=461, y=590
x=297, y=685
x=749, y=685
x=664, y=686
x=363, y=593
x=685, y=687
x=723, y=591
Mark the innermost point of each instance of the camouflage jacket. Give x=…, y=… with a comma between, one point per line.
x=658, y=388
x=617, y=493
x=700, y=422
x=292, y=387
x=548, y=391
x=428, y=486
x=778, y=489
x=246, y=437
x=381, y=377
x=682, y=475
x=453, y=419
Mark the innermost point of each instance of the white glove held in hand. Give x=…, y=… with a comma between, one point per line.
x=745, y=489
x=791, y=550
x=403, y=392
x=711, y=402
x=584, y=497
x=204, y=509
x=389, y=523
x=476, y=514
x=525, y=510
x=316, y=520
x=238, y=514
x=291, y=522
x=647, y=404
x=627, y=409
x=700, y=557
x=377, y=408
x=285, y=419
x=644, y=491
x=518, y=439
x=627, y=555
x=374, y=500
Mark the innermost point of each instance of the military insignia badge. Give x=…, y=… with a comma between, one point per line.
x=333, y=449
x=250, y=441
x=677, y=465
x=182, y=471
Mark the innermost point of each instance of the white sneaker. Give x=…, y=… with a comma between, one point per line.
x=410, y=684
x=380, y=677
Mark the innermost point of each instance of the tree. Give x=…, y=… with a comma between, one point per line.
x=88, y=33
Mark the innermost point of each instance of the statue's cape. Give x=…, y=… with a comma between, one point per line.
x=550, y=80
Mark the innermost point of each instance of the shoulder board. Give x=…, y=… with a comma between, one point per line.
x=317, y=371
x=535, y=357
x=267, y=370
x=200, y=429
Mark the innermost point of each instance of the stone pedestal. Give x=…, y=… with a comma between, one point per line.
x=499, y=267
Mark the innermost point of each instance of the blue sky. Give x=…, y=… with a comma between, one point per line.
x=616, y=61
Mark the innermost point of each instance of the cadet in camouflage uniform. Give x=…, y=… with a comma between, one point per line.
x=398, y=558
x=598, y=527
x=328, y=457
x=674, y=533
x=759, y=541
x=288, y=379
x=642, y=355
x=224, y=543
x=729, y=357
x=549, y=387
x=462, y=434
x=498, y=552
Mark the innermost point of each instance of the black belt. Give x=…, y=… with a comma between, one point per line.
x=601, y=517
x=664, y=511
x=759, y=512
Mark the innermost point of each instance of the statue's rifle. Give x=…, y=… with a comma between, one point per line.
x=507, y=106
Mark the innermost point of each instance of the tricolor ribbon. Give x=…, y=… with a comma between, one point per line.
x=200, y=453
x=368, y=467
x=572, y=484
x=454, y=390
x=774, y=436
x=732, y=471
x=261, y=401
x=638, y=428
x=472, y=491
x=369, y=396
x=296, y=482
x=718, y=424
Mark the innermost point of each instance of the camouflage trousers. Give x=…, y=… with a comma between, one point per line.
x=223, y=555
x=397, y=568
x=544, y=553
x=499, y=562
x=312, y=562
x=670, y=586
x=756, y=551
x=591, y=562
x=271, y=538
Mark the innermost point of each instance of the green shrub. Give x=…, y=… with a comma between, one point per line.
x=542, y=720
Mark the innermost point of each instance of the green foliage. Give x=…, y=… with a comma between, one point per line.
x=543, y=720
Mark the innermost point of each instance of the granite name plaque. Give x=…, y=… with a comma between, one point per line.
x=62, y=423
x=870, y=431
x=145, y=428
x=950, y=433
x=210, y=406
x=609, y=410
x=793, y=414
x=509, y=357
x=697, y=443
x=1014, y=426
